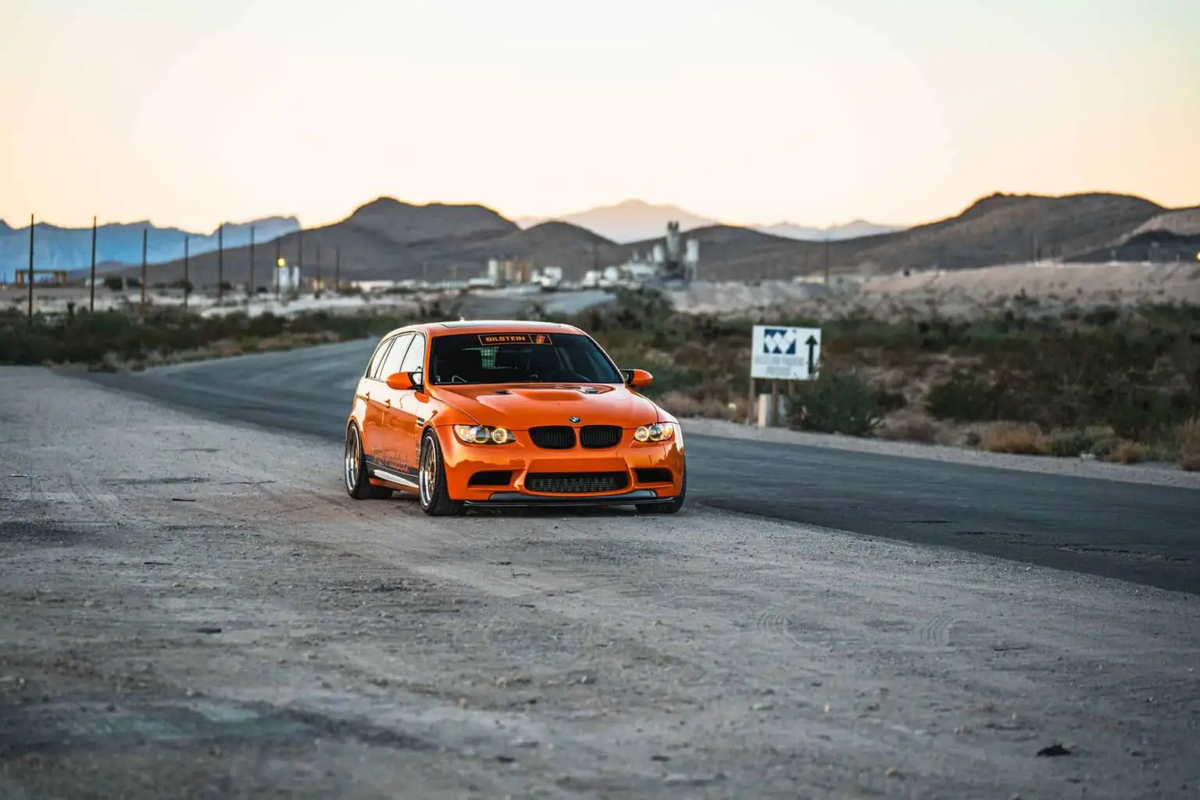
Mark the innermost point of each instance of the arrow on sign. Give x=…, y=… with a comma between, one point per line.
x=812, y=346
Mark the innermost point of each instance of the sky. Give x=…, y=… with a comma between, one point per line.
x=195, y=112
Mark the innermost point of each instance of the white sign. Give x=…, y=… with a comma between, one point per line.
x=786, y=354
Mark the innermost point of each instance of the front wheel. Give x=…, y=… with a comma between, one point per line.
x=358, y=484
x=672, y=506
x=431, y=480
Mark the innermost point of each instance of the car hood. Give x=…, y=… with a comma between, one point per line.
x=520, y=407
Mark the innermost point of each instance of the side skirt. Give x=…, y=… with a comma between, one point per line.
x=407, y=481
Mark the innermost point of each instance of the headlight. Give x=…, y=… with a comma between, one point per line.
x=656, y=432
x=483, y=434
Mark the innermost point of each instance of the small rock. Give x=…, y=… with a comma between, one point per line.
x=462, y=702
x=660, y=757
x=1053, y=751
x=762, y=707
x=190, y=693
x=892, y=772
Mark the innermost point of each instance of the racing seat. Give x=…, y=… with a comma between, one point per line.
x=544, y=362
x=466, y=364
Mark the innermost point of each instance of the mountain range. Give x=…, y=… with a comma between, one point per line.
x=387, y=239
x=119, y=244
x=636, y=220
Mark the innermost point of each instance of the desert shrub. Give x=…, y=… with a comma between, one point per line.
x=1187, y=441
x=836, y=402
x=889, y=401
x=1127, y=452
x=963, y=398
x=1013, y=437
x=114, y=282
x=681, y=405
x=1070, y=444
x=973, y=439
x=909, y=426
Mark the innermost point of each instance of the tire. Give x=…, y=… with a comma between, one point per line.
x=354, y=470
x=431, y=480
x=672, y=506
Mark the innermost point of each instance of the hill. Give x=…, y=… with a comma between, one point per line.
x=850, y=230
x=636, y=220
x=1173, y=236
x=388, y=239
x=628, y=221
x=383, y=239
x=121, y=243
x=998, y=229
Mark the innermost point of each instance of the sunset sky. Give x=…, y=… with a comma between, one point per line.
x=193, y=112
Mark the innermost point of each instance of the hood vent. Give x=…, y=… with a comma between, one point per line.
x=503, y=391
x=589, y=390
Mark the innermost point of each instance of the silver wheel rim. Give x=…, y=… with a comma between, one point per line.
x=428, y=474
x=352, y=459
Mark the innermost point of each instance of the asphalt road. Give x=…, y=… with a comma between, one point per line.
x=1144, y=534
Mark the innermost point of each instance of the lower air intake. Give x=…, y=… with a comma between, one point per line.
x=576, y=482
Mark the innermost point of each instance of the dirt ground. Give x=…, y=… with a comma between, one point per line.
x=193, y=609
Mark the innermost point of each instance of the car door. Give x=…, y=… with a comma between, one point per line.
x=412, y=410
x=386, y=399
x=369, y=396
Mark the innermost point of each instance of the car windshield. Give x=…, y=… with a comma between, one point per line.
x=500, y=357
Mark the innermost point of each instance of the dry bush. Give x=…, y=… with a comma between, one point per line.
x=1013, y=437
x=907, y=425
x=681, y=405
x=1127, y=452
x=1187, y=438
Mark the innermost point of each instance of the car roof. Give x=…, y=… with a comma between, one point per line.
x=486, y=326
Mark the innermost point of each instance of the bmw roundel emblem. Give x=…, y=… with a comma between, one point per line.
x=573, y=419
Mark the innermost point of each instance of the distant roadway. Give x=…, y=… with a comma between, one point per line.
x=1140, y=533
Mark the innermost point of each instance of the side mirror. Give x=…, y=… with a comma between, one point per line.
x=638, y=378
x=400, y=381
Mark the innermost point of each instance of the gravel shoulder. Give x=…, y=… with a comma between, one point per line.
x=196, y=609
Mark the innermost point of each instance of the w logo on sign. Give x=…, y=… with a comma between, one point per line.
x=780, y=340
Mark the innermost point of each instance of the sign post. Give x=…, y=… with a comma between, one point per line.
x=780, y=353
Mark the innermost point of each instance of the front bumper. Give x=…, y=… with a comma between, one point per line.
x=521, y=459
x=528, y=500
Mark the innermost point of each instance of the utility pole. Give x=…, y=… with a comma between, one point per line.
x=220, y=263
x=826, y=260
x=337, y=269
x=251, y=288
x=278, y=267
x=31, y=270
x=92, y=284
x=187, y=286
x=299, y=257
x=145, y=238
x=317, y=283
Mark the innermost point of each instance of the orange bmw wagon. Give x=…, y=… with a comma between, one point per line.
x=496, y=414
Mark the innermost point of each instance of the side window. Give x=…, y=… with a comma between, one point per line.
x=377, y=358
x=415, y=359
x=395, y=356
